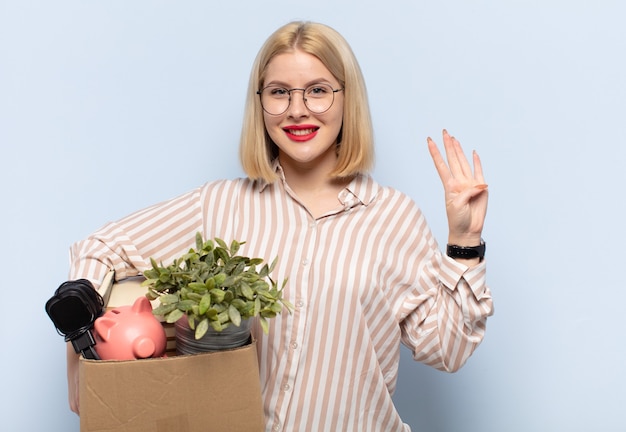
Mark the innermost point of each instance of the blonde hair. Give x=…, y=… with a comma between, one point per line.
x=356, y=138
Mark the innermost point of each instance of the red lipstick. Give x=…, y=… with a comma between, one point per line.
x=300, y=133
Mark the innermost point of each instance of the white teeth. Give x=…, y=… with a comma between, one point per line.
x=301, y=132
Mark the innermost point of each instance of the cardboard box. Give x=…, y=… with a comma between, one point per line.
x=217, y=391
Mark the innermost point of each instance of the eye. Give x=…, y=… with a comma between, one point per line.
x=278, y=91
x=318, y=91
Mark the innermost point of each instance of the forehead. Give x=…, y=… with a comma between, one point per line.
x=296, y=68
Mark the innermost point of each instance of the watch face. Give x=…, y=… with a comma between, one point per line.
x=69, y=314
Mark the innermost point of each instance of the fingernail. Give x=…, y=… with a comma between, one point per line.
x=481, y=186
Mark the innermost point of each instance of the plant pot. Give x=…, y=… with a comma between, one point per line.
x=231, y=337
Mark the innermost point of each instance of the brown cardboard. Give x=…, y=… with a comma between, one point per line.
x=217, y=391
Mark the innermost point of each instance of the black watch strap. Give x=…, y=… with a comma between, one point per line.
x=466, y=252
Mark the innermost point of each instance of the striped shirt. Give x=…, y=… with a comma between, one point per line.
x=362, y=279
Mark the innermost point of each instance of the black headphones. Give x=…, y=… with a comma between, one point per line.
x=73, y=309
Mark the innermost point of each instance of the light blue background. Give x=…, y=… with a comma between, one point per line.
x=109, y=106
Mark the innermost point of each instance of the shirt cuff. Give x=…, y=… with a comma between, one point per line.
x=453, y=271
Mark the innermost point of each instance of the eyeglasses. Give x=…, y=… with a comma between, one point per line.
x=318, y=98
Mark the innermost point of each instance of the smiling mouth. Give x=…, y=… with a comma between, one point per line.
x=301, y=132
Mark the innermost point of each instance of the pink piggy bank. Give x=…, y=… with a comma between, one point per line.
x=129, y=332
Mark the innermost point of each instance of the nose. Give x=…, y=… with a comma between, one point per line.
x=297, y=107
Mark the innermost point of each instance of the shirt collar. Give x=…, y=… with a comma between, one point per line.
x=361, y=190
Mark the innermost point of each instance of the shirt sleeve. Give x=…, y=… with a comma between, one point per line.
x=444, y=305
x=162, y=231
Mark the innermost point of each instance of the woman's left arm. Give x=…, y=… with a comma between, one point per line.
x=445, y=324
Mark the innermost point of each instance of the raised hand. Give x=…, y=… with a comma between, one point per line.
x=466, y=193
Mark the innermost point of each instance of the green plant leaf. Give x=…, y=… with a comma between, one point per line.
x=234, y=315
x=217, y=326
x=247, y=291
x=208, y=246
x=228, y=296
x=197, y=286
x=232, y=280
x=194, y=296
x=204, y=305
x=264, y=325
x=210, y=284
x=212, y=314
x=219, y=279
x=174, y=316
x=149, y=280
x=155, y=265
x=169, y=299
x=223, y=317
x=273, y=265
x=222, y=254
x=186, y=305
x=239, y=304
x=255, y=261
x=163, y=310
x=264, y=272
x=164, y=276
x=266, y=313
x=202, y=328
x=222, y=243
x=239, y=268
x=276, y=307
x=234, y=247
x=217, y=295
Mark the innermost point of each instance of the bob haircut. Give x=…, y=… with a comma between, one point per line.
x=355, y=143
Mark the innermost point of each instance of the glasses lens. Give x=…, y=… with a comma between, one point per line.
x=318, y=98
x=275, y=100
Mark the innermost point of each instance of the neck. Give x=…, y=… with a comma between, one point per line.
x=312, y=178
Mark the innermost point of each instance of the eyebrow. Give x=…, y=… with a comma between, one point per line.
x=285, y=85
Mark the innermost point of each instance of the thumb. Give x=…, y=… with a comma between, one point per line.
x=472, y=192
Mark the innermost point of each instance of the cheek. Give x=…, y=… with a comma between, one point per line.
x=337, y=121
x=337, y=114
x=272, y=121
x=272, y=128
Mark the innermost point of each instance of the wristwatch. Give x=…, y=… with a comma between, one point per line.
x=466, y=252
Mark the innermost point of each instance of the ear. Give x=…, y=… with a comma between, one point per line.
x=102, y=327
x=142, y=305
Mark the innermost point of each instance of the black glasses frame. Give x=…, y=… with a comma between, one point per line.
x=303, y=90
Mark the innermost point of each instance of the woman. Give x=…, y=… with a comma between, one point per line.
x=364, y=270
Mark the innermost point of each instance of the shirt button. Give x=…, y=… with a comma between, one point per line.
x=305, y=262
x=286, y=387
x=276, y=427
x=312, y=225
x=294, y=345
x=299, y=304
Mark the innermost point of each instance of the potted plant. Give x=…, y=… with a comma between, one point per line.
x=216, y=290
